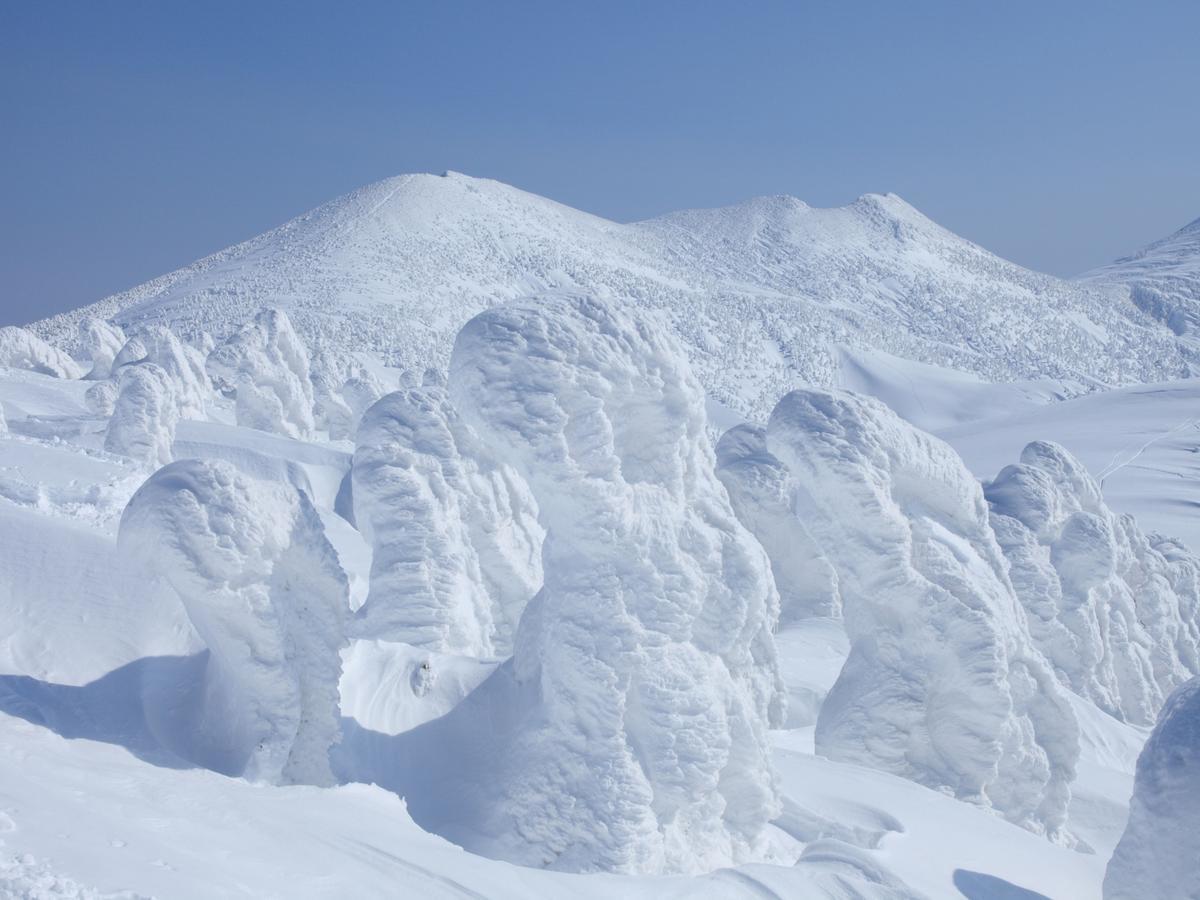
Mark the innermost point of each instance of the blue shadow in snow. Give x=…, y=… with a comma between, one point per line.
x=978, y=886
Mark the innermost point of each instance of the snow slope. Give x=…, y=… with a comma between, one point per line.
x=762, y=293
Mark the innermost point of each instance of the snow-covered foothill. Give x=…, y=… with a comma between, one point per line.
x=265, y=592
x=144, y=416
x=265, y=366
x=182, y=363
x=760, y=490
x=1118, y=619
x=456, y=543
x=1159, y=853
x=98, y=344
x=942, y=684
x=636, y=704
x=22, y=349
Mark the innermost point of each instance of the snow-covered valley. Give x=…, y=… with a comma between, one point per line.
x=450, y=542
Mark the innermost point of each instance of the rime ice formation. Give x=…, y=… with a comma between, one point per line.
x=181, y=363
x=644, y=674
x=265, y=365
x=1159, y=853
x=457, y=546
x=99, y=344
x=144, y=415
x=760, y=490
x=1117, y=618
x=101, y=397
x=942, y=684
x=22, y=349
x=264, y=590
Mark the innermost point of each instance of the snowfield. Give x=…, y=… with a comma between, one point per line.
x=448, y=542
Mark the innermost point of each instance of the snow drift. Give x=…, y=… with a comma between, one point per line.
x=265, y=366
x=1117, y=617
x=1159, y=853
x=22, y=349
x=264, y=590
x=455, y=537
x=942, y=684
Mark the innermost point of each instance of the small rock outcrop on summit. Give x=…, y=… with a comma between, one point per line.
x=761, y=294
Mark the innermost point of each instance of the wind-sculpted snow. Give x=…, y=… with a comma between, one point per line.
x=760, y=490
x=145, y=413
x=1159, y=853
x=99, y=344
x=343, y=389
x=643, y=678
x=762, y=294
x=265, y=365
x=181, y=362
x=22, y=349
x=457, y=545
x=264, y=590
x=1118, y=619
x=942, y=684
x=101, y=397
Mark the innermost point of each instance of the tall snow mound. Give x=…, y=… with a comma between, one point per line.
x=628, y=732
x=1159, y=853
x=455, y=537
x=22, y=349
x=265, y=592
x=942, y=684
x=760, y=489
x=266, y=366
x=99, y=343
x=399, y=266
x=144, y=414
x=1117, y=617
x=181, y=362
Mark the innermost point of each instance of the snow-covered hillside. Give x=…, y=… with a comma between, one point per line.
x=763, y=294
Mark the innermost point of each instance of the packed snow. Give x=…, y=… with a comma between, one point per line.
x=450, y=542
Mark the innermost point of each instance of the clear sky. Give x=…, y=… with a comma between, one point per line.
x=138, y=136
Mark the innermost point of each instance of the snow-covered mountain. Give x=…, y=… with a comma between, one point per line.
x=763, y=294
x=1162, y=278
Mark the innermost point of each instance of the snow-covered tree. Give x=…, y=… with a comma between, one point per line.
x=99, y=344
x=264, y=590
x=265, y=366
x=1118, y=619
x=182, y=363
x=643, y=680
x=943, y=684
x=101, y=397
x=22, y=349
x=455, y=536
x=1159, y=853
x=144, y=415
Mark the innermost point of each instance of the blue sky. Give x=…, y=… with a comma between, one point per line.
x=140, y=136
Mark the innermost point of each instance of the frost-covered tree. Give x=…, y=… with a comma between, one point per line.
x=455, y=536
x=1118, y=619
x=22, y=349
x=760, y=490
x=643, y=679
x=943, y=684
x=264, y=590
x=265, y=366
x=182, y=363
x=99, y=343
x=145, y=413
x=1159, y=853
x=101, y=397
x=343, y=389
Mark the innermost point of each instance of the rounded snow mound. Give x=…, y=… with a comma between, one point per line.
x=22, y=349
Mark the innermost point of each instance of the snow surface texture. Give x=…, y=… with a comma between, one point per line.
x=644, y=678
x=264, y=590
x=1117, y=617
x=760, y=490
x=942, y=684
x=99, y=343
x=22, y=349
x=455, y=537
x=763, y=294
x=265, y=366
x=343, y=389
x=182, y=363
x=145, y=414
x=1159, y=854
